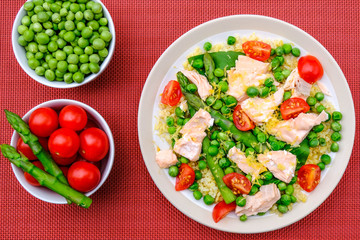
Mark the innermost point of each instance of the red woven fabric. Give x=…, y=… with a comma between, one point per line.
x=129, y=205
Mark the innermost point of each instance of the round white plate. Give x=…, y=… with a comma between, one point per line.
x=216, y=31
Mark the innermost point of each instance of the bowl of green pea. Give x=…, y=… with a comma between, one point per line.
x=63, y=44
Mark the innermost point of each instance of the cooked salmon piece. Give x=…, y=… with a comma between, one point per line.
x=189, y=145
x=166, y=158
x=247, y=72
x=298, y=86
x=198, y=123
x=260, y=110
x=201, y=82
x=294, y=131
x=281, y=163
x=246, y=165
x=323, y=88
x=262, y=201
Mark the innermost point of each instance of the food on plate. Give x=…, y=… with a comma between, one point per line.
x=64, y=41
x=250, y=128
x=62, y=148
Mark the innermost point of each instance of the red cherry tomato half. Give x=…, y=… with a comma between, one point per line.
x=64, y=143
x=242, y=120
x=26, y=150
x=185, y=178
x=30, y=179
x=257, y=50
x=222, y=209
x=310, y=69
x=238, y=183
x=65, y=170
x=43, y=122
x=64, y=161
x=171, y=94
x=73, y=117
x=309, y=177
x=94, y=144
x=83, y=176
x=292, y=107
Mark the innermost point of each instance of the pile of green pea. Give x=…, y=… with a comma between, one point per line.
x=64, y=40
x=278, y=60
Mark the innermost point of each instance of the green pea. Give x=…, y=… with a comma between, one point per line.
x=225, y=110
x=322, y=142
x=84, y=68
x=171, y=130
x=282, y=186
x=279, y=77
x=213, y=150
x=43, y=17
x=275, y=63
x=210, y=100
x=318, y=128
x=179, y=112
x=32, y=47
x=240, y=201
x=103, y=53
x=279, y=51
x=198, y=63
x=50, y=75
x=223, y=85
x=69, y=36
x=208, y=200
x=180, y=121
x=202, y=164
x=218, y=104
x=243, y=218
x=28, y=6
x=286, y=72
x=89, y=50
x=78, y=77
x=194, y=186
x=68, y=78
x=254, y=189
x=218, y=72
x=320, y=108
x=197, y=195
x=256, y=131
x=94, y=58
x=191, y=88
x=228, y=145
x=282, y=208
x=295, y=52
x=272, y=52
x=198, y=175
x=106, y=36
x=252, y=92
x=264, y=92
x=321, y=166
x=314, y=142
x=336, y=116
x=273, y=88
x=269, y=82
x=319, y=96
x=231, y=40
x=326, y=159
x=261, y=137
x=170, y=121
x=267, y=175
x=224, y=163
x=287, y=95
x=73, y=68
x=214, y=135
x=28, y=35
x=184, y=160
x=287, y=48
x=21, y=29
x=336, y=126
x=103, y=21
x=53, y=63
x=334, y=147
x=311, y=135
x=285, y=199
x=73, y=59
x=228, y=170
x=336, y=136
x=207, y=46
x=230, y=101
x=248, y=176
x=215, y=143
x=40, y=70
x=222, y=136
x=62, y=66
x=186, y=120
x=281, y=60
x=289, y=190
x=249, y=151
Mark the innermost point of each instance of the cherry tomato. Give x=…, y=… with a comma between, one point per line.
x=94, y=144
x=30, y=179
x=73, y=117
x=65, y=170
x=172, y=93
x=238, y=183
x=64, y=161
x=310, y=69
x=292, y=107
x=222, y=209
x=43, y=122
x=242, y=120
x=26, y=150
x=257, y=50
x=97, y=164
x=83, y=176
x=309, y=177
x=185, y=178
x=64, y=143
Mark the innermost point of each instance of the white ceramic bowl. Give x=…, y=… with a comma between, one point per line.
x=45, y=194
x=20, y=52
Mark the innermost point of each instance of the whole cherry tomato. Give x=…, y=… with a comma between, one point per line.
x=94, y=144
x=64, y=143
x=73, y=117
x=83, y=176
x=43, y=122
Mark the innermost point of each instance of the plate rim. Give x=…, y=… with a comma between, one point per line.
x=147, y=85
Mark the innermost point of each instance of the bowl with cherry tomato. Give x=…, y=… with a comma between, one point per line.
x=77, y=138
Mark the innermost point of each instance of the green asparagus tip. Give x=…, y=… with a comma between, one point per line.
x=9, y=151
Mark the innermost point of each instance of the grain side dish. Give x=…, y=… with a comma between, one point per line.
x=249, y=124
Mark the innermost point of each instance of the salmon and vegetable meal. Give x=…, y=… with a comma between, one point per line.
x=249, y=126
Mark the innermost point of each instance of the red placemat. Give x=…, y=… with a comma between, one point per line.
x=129, y=205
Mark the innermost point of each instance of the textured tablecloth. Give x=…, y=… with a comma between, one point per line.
x=129, y=205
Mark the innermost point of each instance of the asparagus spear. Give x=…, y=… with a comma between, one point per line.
x=218, y=174
x=209, y=67
x=23, y=130
x=44, y=178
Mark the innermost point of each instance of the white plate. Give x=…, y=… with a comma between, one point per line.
x=217, y=31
